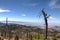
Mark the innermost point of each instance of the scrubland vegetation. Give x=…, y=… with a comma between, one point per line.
x=23, y=32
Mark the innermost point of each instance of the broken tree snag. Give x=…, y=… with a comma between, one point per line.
x=6, y=33
x=46, y=23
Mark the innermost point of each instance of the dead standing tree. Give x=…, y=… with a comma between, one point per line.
x=6, y=35
x=46, y=23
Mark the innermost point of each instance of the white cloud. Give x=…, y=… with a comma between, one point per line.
x=51, y=17
x=4, y=10
x=54, y=4
x=30, y=4
x=53, y=20
x=23, y=14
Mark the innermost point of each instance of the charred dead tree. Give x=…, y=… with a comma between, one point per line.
x=46, y=23
x=6, y=30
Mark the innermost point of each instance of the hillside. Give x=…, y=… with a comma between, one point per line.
x=11, y=30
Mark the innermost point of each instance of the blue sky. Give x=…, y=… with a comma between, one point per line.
x=27, y=10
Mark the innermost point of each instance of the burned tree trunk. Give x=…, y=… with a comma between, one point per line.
x=46, y=23
x=6, y=31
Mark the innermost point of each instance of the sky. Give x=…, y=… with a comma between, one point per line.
x=28, y=10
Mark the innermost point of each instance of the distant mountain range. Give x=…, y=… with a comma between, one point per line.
x=2, y=23
x=22, y=23
x=28, y=23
